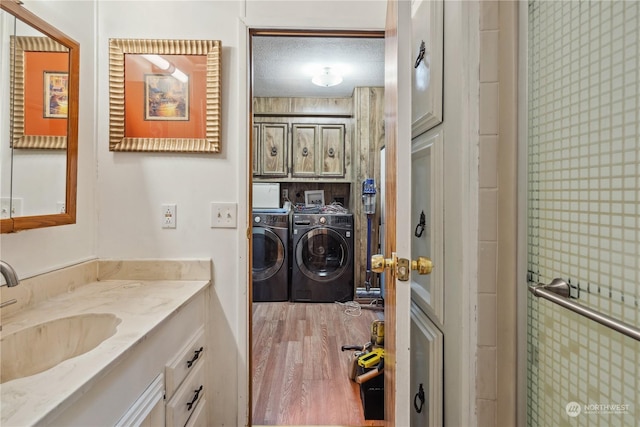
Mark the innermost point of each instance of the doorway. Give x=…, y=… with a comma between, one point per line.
x=296, y=362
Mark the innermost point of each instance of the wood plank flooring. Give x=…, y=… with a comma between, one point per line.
x=300, y=374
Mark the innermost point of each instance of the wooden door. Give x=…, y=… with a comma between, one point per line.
x=304, y=149
x=273, y=149
x=398, y=217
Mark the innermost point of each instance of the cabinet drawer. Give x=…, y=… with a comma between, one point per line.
x=199, y=416
x=185, y=400
x=185, y=361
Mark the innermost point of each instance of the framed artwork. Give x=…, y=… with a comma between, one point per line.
x=40, y=75
x=428, y=47
x=56, y=94
x=165, y=95
x=165, y=98
x=314, y=198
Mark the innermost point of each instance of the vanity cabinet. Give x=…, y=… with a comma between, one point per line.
x=156, y=384
x=185, y=382
x=301, y=149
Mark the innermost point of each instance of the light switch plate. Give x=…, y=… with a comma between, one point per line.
x=224, y=215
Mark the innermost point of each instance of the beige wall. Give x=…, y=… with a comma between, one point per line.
x=496, y=345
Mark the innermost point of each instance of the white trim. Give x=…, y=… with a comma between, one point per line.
x=143, y=405
x=471, y=128
x=521, y=268
x=244, y=404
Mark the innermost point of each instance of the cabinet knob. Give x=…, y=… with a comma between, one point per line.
x=331, y=152
x=305, y=152
x=274, y=151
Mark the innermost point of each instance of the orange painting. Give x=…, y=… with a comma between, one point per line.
x=42, y=69
x=165, y=96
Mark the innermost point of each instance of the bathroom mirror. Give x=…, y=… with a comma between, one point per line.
x=39, y=128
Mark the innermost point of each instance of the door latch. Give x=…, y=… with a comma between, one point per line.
x=403, y=266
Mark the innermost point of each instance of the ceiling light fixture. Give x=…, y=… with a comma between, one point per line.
x=327, y=78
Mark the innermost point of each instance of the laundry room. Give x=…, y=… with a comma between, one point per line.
x=317, y=135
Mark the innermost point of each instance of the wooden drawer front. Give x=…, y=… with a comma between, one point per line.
x=273, y=149
x=186, y=360
x=186, y=398
x=332, y=150
x=304, y=149
x=199, y=416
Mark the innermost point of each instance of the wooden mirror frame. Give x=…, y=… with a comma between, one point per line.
x=69, y=216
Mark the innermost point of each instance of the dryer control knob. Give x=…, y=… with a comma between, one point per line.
x=323, y=220
x=257, y=219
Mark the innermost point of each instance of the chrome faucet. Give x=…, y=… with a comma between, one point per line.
x=9, y=274
x=11, y=278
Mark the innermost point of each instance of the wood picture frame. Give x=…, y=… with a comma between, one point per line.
x=192, y=123
x=32, y=59
x=427, y=38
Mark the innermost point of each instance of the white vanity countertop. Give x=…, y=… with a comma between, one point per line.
x=142, y=305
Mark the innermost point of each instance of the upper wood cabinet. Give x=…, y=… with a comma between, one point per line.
x=272, y=146
x=318, y=150
x=293, y=150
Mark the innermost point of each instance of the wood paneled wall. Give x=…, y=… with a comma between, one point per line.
x=368, y=103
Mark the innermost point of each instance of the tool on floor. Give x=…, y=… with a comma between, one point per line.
x=361, y=349
x=372, y=358
x=371, y=374
x=377, y=332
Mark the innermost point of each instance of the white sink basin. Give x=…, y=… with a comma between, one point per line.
x=43, y=346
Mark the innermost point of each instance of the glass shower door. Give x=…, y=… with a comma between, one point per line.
x=583, y=225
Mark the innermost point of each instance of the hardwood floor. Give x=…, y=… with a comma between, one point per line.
x=300, y=374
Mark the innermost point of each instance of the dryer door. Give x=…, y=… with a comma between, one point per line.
x=322, y=254
x=268, y=253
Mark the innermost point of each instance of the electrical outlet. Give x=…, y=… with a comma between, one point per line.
x=61, y=207
x=285, y=194
x=224, y=215
x=169, y=215
x=6, y=204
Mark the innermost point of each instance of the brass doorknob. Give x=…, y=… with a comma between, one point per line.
x=379, y=263
x=402, y=266
x=423, y=265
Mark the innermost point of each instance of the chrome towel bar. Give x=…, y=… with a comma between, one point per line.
x=558, y=292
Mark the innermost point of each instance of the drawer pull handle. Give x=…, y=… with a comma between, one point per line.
x=195, y=399
x=196, y=354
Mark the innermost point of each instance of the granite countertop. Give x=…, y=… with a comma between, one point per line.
x=141, y=305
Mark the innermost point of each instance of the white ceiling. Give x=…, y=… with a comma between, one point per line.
x=284, y=66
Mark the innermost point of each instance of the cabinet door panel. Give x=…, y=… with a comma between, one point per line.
x=332, y=150
x=304, y=149
x=427, y=367
x=273, y=149
x=255, y=144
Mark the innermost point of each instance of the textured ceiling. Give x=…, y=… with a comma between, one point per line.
x=284, y=66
